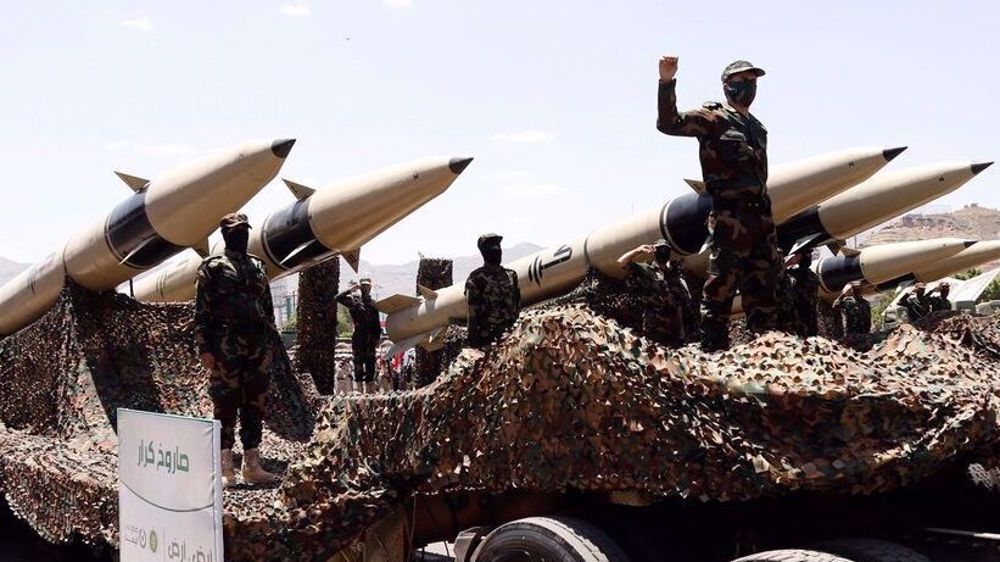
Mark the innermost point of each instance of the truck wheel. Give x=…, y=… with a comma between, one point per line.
x=552, y=539
x=871, y=550
x=792, y=556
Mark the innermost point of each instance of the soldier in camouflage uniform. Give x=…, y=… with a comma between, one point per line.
x=937, y=299
x=367, y=330
x=915, y=302
x=677, y=280
x=804, y=295
x=784, y=306
x=234, y=327
x=493, y=295
x=855, y=311
x=733, y=152
x=662, y=313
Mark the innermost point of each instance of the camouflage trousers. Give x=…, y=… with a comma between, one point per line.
x=665, y=326
x=743, y=256
x=238, y=387
x=363, y=355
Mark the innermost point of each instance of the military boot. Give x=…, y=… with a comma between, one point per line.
x=253, y=472
x=228, y=474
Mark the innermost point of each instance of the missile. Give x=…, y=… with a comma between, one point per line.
x=883, y=197
x=883, y=262
x=335, y=220
x=161, y=218
x=681, y=221
x=975, y=255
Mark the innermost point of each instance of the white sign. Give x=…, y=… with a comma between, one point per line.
x=169, y=488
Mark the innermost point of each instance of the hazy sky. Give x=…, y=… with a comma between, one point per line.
x=556, y=100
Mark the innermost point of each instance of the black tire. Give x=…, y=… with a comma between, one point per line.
x=871, y=550
x=552, y=539
x=792, y=555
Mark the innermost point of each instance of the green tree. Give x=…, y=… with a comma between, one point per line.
x=344, y=325
x=991, y=293
x=967, y=274
x=879, y=304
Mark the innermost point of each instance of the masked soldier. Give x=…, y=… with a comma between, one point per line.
x=493, y=295
x=938, y=298
x=367, y=330
x=733, y=153
x=915, y=302
x=234, y=327
x=662, y=317
x=855, y=310
x=804, y=295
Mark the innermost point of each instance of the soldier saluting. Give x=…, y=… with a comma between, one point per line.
x=234, y=328
x=367, y=330
x=492, y=293
x=733, y=152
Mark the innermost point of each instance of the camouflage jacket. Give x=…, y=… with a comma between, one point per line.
x=662, y=316
x=805, y=294
x=937, y=302
x=682, y=294
x=233, y=294
x=364, y=315
x=916, y=307
x=857, y=314
x=494, y=302
x=732, y=148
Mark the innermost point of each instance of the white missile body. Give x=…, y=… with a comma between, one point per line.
x=335, y=220
x=792, y=187
x=163, y=216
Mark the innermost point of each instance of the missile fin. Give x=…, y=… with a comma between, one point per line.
x=697, y=185
x=835, y=246
x=139, y=247
x=395, y=303
x=353, y=258
x=408, y=343
x=849, y=252
x=426, y=293
x=298, y=190
x=803, y=243
x=302, y=248
x=134, y=183
x=434, y=340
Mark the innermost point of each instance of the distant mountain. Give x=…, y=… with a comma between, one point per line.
x=10, y=268
x=401, y=278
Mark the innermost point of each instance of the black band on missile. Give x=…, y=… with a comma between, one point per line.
x=288, y=230
x=131, y=237
x=806, y=223
x=836, y=272
x=893, y=283
x=683, y=222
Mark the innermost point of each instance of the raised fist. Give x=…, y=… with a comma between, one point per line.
x=668, y=68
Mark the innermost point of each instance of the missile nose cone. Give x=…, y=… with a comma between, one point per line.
x=976, y=168
x=458, y=165
x=891, y=153
x=282, y=147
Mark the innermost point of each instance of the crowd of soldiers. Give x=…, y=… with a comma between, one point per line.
x=234, y=318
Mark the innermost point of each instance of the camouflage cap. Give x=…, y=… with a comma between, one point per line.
x=741, y=66
x=660, y=243
x=489, y=241
x=233, y=220
x=365, y=281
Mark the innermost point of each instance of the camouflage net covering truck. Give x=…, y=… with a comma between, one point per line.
x=573, y=438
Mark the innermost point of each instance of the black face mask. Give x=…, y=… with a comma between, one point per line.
x=741, y=93
x=661, y=255
x=492, y=256
x=236, y=240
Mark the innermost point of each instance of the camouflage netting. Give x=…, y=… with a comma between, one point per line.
x=64, y=377
x=317, y=324
x=432, y=273
x=608, y=412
